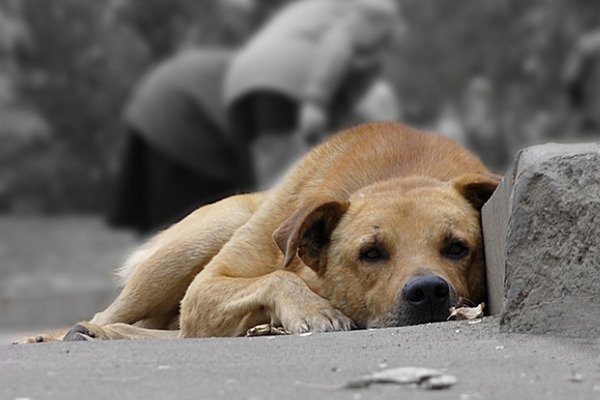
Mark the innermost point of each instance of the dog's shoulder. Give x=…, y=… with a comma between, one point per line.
x=365, y=154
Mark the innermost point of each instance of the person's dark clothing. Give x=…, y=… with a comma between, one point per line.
x=263, y=111
x=154, y=190
x=178, y=154
x=270, y=111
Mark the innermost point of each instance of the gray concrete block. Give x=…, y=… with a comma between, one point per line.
x=542, y=242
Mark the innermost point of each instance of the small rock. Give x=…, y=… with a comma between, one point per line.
x=576, y=377
x=426, y=378
x=439, y=382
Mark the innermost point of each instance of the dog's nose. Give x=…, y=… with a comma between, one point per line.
x=428, y=292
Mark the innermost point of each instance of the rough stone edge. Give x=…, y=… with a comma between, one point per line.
x=495, y=215
x=497, y=212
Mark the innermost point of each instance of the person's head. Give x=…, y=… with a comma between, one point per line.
x=374, y=22
x=372, y=25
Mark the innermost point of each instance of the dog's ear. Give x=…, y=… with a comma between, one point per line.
x=476, y=188
x=307, y=231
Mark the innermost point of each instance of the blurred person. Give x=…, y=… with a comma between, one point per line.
x=177, y=155
x=303, y=74
x=379, y=103
x=483, y=134
x=582, y=79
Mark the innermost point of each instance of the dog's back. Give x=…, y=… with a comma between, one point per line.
x=360, y=156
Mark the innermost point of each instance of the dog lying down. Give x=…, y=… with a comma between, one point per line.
x=377, y=227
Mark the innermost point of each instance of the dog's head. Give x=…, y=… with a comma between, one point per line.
x=399, y=252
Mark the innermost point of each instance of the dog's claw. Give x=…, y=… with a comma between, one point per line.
x=79, y=333
x=42, y=338
x=326, y=319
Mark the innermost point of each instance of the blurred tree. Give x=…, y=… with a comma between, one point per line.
x=64, y=73
x=78, y=59
x=160, y=23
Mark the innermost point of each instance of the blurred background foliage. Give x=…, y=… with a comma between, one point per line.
x=66, y=67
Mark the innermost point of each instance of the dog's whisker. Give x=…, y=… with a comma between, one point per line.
x=463, y=301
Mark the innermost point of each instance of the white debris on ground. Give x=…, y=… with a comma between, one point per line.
x=425, y=378
x=464, y=313
x=266, y=330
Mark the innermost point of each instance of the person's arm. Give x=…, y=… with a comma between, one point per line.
x=332, y=61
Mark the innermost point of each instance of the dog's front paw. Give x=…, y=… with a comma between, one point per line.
x=85, y=331
x=322, y=318
x=41, y=338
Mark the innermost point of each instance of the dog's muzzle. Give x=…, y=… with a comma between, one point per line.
x=426, y=298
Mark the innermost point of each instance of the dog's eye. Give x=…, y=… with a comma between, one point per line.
x=456, y=251
x=372, y=254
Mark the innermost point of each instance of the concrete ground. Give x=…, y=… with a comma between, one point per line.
x=57, y=271
x=487, y=364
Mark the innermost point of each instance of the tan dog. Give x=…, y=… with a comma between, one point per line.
x=377, y=227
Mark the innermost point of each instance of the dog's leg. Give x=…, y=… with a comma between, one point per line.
x=225, y=306
x=43, y=337
x=159, y=275
x=159, y=282
x=89, y=331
